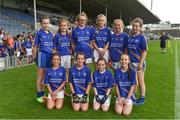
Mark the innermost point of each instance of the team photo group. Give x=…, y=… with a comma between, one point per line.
x=66, y=60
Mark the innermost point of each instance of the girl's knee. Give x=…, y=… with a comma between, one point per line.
x=84, y=109
x=119, y=112
x=49, y=107
x=125, y=113
x=59, y=107
x=105, y=108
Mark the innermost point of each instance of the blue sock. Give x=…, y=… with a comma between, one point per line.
x=42, y=93
x=39, y=94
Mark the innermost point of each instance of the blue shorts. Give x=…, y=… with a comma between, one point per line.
x=43, y=60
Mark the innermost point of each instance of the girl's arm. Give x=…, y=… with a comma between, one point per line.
x=95, y=46
x=49, y=89
x=108, y=91
x=34, y=51
x=118, y=95
x=61, y=86
x=143, y=57
x=95, y=91
x=131, y=91
x=106, y=47
x=71, y=88
x=88, y=88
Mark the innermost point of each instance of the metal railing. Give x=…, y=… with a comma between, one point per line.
x=12, y=62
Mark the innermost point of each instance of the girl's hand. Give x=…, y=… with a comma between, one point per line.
x=120, y=102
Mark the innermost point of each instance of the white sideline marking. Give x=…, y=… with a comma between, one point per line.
x=177, y=83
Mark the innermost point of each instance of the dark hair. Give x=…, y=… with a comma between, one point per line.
x=43, y=17
x=80, y=53
x=55, y=54
x=101, y=59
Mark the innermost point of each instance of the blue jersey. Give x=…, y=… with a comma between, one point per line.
x=80, y=79
x=62, y=43
x=28, y=44
x=124, y=81
x=44, y=41
x=102, y=81
x=102, y=37
x=82, y=39
x=136, y=45
x=18, y=45
x=54, y=78
x=117, y=46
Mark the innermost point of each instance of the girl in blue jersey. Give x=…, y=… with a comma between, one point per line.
x=80, y=84
x=62, y=44
x=102, y=84
x=42, y=52
x=118, y=43
x=137, y=50
x=125, y=81
x=102, y=36
x=55, y=80
x=82, y=37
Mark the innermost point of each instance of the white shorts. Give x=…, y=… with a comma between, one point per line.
x=66, y=61
x=134, y=66
x=107, y=102
x=88, y=60
x=60, y=94
x=96, y=55
x=18, y=53
x=80, y=96
x=29, y=51
x=116, y=65
x=130, y=102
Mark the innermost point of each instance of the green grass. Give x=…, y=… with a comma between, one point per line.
x=18, y=92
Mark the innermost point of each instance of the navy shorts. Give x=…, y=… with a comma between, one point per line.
x=43, y=60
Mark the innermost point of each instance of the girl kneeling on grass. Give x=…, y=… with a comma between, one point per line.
x=80, y=84
x=103, y=83
x=125, y=80
x=55, y=80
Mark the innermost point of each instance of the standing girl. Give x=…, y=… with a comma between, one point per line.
x=102, y=37
x=137, y=50
x=103, y=83
x=80, y=84
x=118, y=43
x=63, y=44
x=125, y=80
x=42, y=52
x=82, y=37
x=55, y=80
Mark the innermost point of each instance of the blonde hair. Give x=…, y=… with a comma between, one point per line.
x=83, y=14
x=101, y=15
x=138, y=20
x=60, y=21
x=121, y=22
